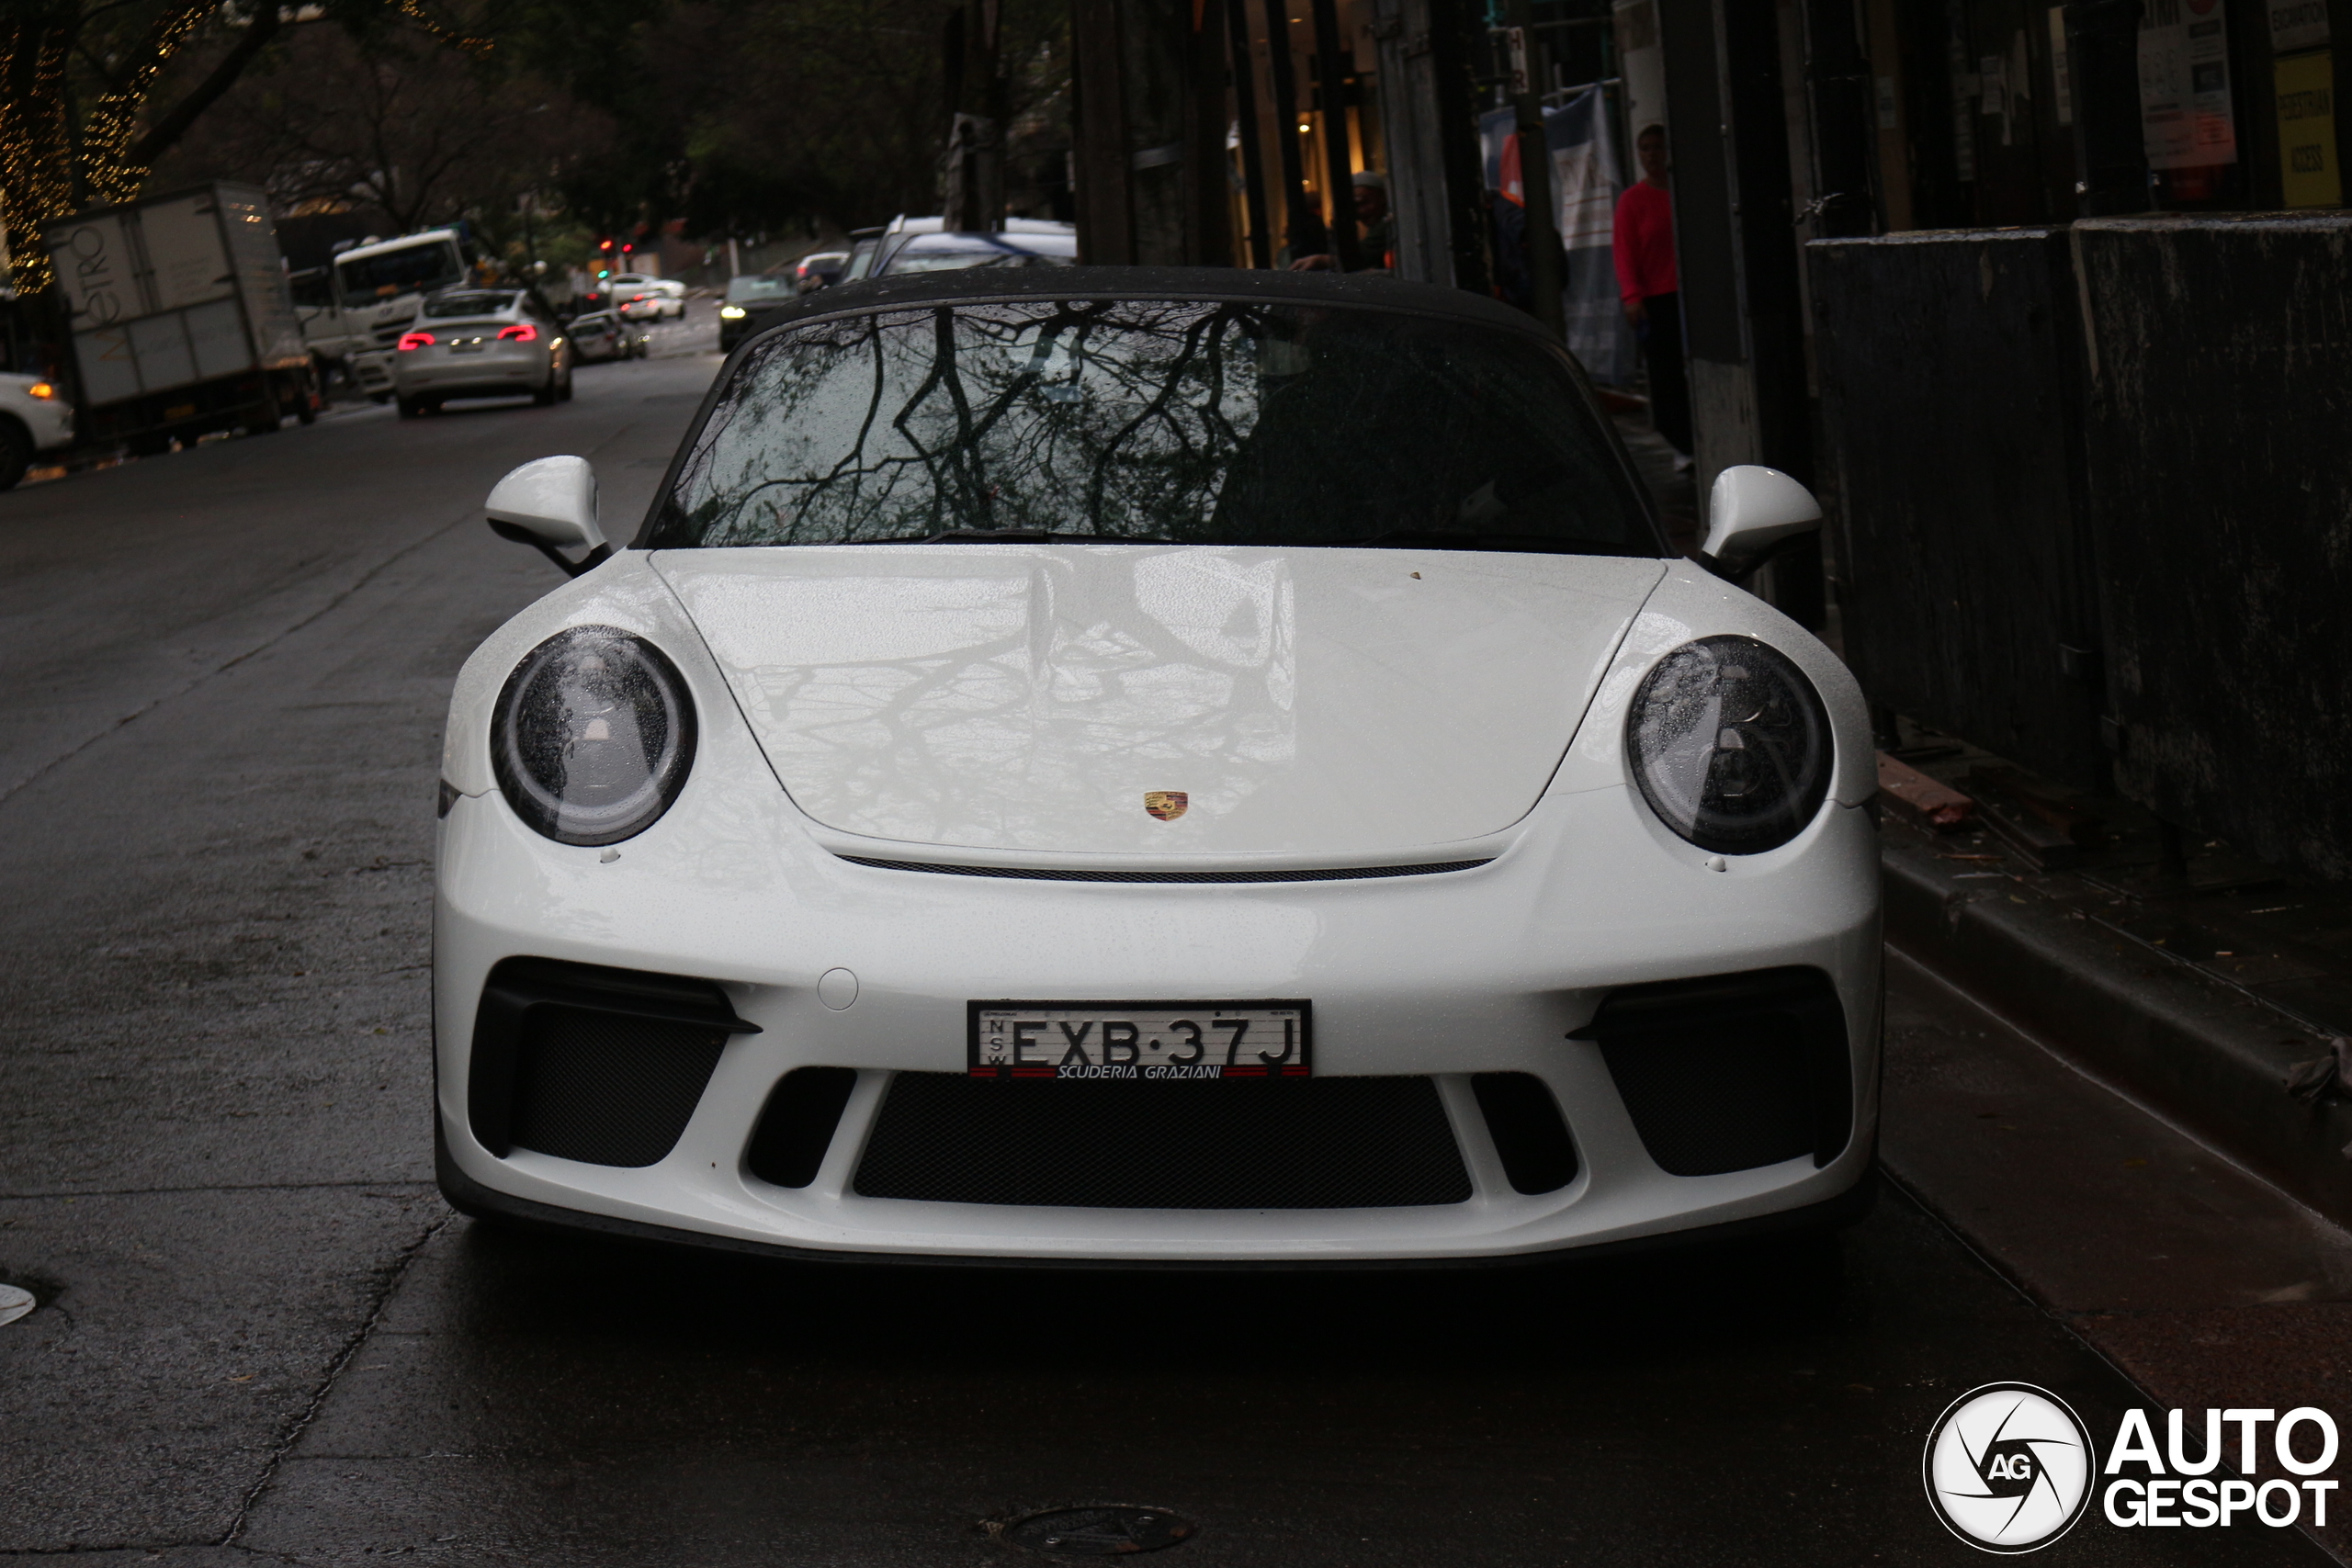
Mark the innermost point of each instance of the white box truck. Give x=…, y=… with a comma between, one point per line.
x=180, y=318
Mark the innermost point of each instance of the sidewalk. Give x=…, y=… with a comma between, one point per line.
x=2196, y=989
x=2203, y=1285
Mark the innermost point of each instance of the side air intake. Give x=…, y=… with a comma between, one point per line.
x=1730, y=1072
x=585, y=1063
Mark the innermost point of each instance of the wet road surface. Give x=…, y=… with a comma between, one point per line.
x=263, y=1337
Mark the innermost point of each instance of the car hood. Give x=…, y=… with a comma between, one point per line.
x=1306, y=703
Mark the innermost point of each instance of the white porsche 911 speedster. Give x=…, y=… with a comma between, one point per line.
x=1139, y=766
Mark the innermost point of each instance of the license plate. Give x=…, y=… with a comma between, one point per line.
x=474, y=347
x=1140, y=1040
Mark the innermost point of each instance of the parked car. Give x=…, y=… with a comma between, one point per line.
x=643, y=298
x=953, y=253
x=1158, y=767
x=34, y=418
x=602, y=335
x=900, y=230
x=863, y=245
x=819, y=269
x=479, y=343
x=751, y=303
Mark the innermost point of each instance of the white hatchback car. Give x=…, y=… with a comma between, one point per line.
x=1155, y=766
x=34, y=418
x=641, y=299
x=479, y=343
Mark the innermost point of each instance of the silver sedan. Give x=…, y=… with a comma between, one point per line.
x=479, y=343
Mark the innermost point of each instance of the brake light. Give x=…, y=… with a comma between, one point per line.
x=414, y=340
x=521, y=332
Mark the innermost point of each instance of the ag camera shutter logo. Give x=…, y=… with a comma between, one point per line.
x=2009, y=1468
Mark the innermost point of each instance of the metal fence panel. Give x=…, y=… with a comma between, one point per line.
x=2220, y=434
x=1949, y=391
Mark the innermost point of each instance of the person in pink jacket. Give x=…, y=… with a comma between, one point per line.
x=1643, y=251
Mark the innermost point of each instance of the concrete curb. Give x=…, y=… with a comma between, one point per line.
x=2210, y=1059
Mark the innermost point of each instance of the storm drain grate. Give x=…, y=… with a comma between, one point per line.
x=1094, y=1530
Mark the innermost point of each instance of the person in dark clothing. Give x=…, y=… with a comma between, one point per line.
x=1375, y=230
x=1643, y=251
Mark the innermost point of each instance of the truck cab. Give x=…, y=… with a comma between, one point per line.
x=379, y=284
x=376, y=291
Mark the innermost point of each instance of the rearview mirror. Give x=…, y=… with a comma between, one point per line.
x=550, y=505
x=1750, y=512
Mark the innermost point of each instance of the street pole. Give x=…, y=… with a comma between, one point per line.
x=1245, y=106
x=1332, y=70
x=1106, y=235
x=1299, y=228
x=1845, y=130
x=2103, y=74
x=1545, y=268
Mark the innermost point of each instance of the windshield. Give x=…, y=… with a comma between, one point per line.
x=445, y=307
x=417, y=269
x=742, y=289
x=861, y=260
x=1189, y=422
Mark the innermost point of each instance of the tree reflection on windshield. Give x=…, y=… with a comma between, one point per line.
x=1193, y=423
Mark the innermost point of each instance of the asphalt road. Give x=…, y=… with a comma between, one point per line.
x=262, y=1337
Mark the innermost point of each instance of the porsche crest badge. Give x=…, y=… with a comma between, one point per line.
x=1165, y=804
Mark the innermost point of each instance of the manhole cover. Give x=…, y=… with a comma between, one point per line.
x=1094, y=1529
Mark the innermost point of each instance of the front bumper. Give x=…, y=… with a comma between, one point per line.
x=1482, y=971
x=48, y=419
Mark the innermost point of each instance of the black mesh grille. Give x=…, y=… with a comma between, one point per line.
x=606, y=1089
x=797, y=1128
x=1530, y=1139
x=1056, y=874
x=1732, y=1072
x=1304, y=1144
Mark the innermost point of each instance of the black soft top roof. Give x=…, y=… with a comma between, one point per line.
x=1375, y=292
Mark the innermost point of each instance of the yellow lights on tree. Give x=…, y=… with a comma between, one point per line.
x=51, y=167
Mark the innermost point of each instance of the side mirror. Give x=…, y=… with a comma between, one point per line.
x=1751, y=512
x=550, y=505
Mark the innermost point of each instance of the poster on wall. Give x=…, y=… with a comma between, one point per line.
x=1581, y=135
x=2298, y=24
x=2185, y=118
x=2306, y=98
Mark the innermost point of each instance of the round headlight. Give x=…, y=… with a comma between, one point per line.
x=1731, y=745
x=593, y=735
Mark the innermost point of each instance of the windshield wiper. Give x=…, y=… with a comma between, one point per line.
x=1448, y=539
x=1015, y=537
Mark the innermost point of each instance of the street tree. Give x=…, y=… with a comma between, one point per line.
x=80, y=122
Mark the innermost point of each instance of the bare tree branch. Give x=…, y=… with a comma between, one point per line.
x=165, y=132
